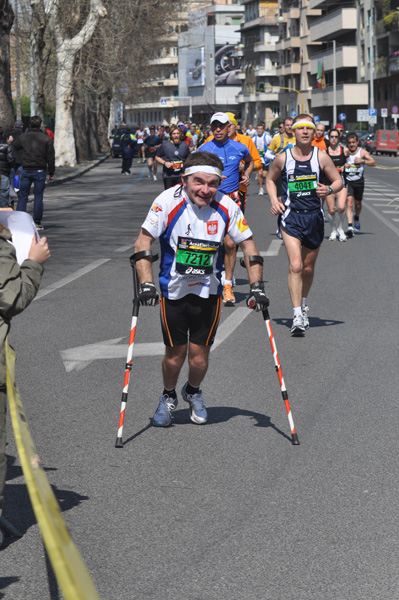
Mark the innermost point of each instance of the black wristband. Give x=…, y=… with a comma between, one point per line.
x=257, y=285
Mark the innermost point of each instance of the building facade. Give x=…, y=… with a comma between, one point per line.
x=208, y=65
x=259, y=39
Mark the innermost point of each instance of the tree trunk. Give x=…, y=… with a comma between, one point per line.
x=64, y=140
x=6, y=22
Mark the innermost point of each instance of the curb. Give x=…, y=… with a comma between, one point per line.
x=79, y=172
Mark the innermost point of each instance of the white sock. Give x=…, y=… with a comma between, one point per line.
x=341, y=220
x=331, y=218
x=228, y=282
x=297, y=311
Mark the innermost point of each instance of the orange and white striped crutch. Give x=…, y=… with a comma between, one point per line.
x=284, y=393
x=128, y=367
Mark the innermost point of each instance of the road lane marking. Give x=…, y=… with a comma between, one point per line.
x=77, y=359
x=124, y=248
x=139, y=178
x=381, y=218
x=62, y=282
x=391, y=212
x=273, y=249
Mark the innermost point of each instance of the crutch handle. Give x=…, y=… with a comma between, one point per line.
x=143, y=254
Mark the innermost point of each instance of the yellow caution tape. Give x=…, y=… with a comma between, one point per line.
x=69, y=568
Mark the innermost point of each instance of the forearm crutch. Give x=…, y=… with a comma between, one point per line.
x=136, y=304
x=284, y=393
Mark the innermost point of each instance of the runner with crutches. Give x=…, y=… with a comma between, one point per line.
x=190, y=222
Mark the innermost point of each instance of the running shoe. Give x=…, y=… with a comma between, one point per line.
x=357, y=224
x=261, y=192
x=197, y=404
x=298, y=326
x=163, y=414
x=39, y=226
x=228, y=295
x=333, y=235
x=155, y=178
x=139, y=161
x=305, y=316
x=149, y=175
x=350, y=232
x=341, y=235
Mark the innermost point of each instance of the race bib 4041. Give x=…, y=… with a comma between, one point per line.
x=195, y=257
x=301, y=183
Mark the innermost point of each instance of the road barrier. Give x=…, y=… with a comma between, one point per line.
x=70, y=570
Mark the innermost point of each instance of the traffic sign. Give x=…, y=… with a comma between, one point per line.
x=316, y=119
x=362, y=114
x=384, y=112
x=164, y=101
x=372, y=112
x=373, y=120
x=293, y=114
x=395, y=110
x=342, y=116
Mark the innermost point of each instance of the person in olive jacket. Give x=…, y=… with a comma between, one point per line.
x=18, y=286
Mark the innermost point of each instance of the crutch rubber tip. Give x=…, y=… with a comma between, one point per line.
x=119, y=442
x=295, y=440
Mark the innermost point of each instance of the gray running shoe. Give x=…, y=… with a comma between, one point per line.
x=163, y=414
x=305, y=317
x=298, y=326
x=197, y=404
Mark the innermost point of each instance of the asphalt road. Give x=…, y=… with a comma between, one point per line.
x=230, y=510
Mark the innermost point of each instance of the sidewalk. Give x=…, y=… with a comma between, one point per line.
x=63, y=174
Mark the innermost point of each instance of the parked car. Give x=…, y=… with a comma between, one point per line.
x=385, y=142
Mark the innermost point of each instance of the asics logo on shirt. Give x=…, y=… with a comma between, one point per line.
x=188, y=232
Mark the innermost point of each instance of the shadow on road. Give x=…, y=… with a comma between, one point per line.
x=313, y=322
x=5, y=582
x=18, y=509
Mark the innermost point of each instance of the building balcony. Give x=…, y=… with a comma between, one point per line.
x=333, y=24
x=321, y=3
x=265, y=47
x=393, y=65
x=164, y=60
x=291, y=42
x=347, y=94
x=292, y=13
x=263, y=71
x=345, y=56
x=289, y=69
x=257, y=97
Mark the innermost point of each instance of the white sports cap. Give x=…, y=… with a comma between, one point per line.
x=221, y=117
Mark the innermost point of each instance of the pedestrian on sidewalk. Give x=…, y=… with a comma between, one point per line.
x=37, y=155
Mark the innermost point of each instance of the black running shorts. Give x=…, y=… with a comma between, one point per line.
x=191, y=319
x=355, y=189
x=306, y=227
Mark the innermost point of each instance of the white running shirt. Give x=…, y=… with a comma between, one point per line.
x=191, y=241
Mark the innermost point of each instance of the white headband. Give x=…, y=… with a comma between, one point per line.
x=303, y=124
x=202, y=169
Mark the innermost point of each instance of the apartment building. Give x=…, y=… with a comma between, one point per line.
x=296, y=48
x=208, y=65
x=384, y=17
x=161, y=102
x=258, y=48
